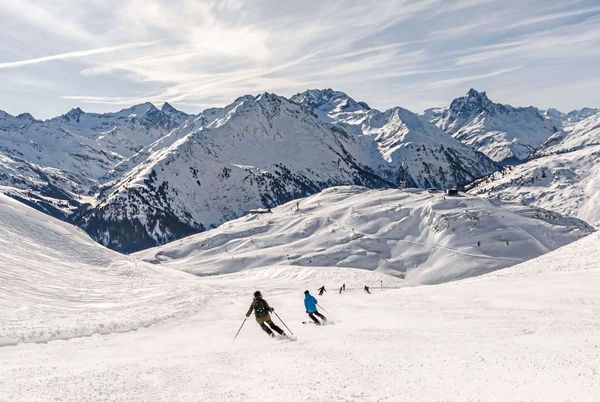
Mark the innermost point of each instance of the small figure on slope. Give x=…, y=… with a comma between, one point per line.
x=343, y=287
x=310, y=303
x=367, y=289
x=261, y=312
x=321, y=290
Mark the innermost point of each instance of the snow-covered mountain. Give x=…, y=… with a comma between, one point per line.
x=573, y=116
x=576, y=135
x=56, y=164
x=263, y=151
x=411, y=149
x=332, y=106
x=8, y=121
x=54, y=191
x=422, y=236
x=504, y=133
x=257, y=152
x=124, y=132
x=564, y=177
x=144, y=176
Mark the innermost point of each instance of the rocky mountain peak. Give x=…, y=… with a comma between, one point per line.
x=73, y=114
x=474, y=102
x=26, y=117
x=168, y=108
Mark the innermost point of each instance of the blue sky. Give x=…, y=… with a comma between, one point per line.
x=104, y=55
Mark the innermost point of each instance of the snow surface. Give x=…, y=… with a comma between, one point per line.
x=58, y=283
x=529, y=332
x=422, y=236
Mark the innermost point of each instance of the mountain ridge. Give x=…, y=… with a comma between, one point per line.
x=82, y=166
x=506, y=134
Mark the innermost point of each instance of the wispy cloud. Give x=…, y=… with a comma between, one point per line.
x=474, y=78
x=75, y=54
x=206, y=53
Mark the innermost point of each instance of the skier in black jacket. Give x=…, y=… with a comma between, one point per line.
x=321, y=290
x=261, y=311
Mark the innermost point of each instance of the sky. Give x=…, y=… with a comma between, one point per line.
x=105, y=55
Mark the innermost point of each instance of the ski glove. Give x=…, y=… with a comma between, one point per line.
x=272, y=309
x=247, y=315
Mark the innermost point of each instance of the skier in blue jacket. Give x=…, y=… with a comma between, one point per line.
x=310, y=303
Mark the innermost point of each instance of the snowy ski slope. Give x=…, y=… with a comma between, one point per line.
x=57, y=283
x=529, y=332
x=424, y=237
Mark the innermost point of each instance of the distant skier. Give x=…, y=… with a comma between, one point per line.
x=341, y=288
x=321, y=290
x=261, y=311
x=310, y=303
x=344, y=287
x=367, y=289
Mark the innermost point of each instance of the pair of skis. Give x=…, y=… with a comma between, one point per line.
x=288, y=338
x=328, y=322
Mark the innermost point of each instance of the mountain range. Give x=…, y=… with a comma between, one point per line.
x=146, y=176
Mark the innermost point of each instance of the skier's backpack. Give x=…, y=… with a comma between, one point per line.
x=261, y=307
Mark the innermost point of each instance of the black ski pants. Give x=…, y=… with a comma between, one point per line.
x=312, y=316
x=273, y=326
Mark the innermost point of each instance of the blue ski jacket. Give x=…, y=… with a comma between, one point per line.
x=310, y=303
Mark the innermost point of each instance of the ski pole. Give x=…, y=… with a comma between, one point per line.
x=322, y=308
x=243, y=322
x=277, y=315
